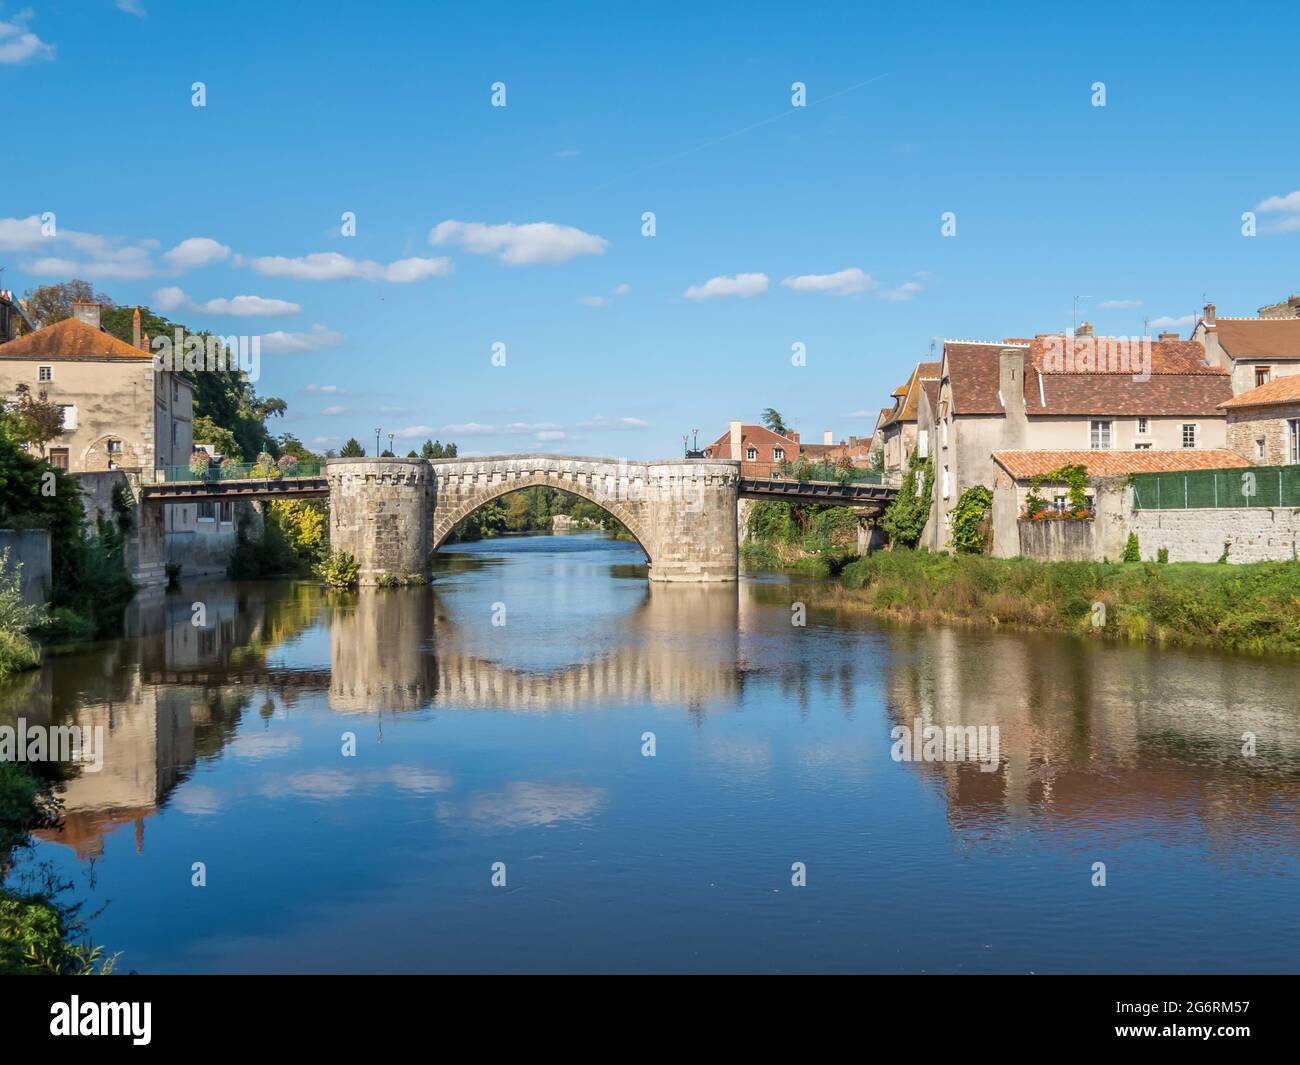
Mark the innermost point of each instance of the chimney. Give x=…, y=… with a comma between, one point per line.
x=1168, y=336
x=735, y=440
x=1209, y=315
x=135, y=329
x=828, y=437
x=1011, y=389
x=86, y=313
x=1084, y=330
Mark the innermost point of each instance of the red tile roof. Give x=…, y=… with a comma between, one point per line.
x=1281, y=390
x=70, y=339
x=1023, y=465
x=910, y=393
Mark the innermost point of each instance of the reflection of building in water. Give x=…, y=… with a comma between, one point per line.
x=1090, y=730
x=680, y=648
x=148, y=743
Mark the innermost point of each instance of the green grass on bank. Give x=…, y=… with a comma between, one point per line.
x=1253, y=607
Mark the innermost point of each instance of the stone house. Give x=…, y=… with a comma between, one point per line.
x=120, y=413
x=1254, y=351
x=897, y=428
x=759, y=450
x=1264, y=423
x=1058, y=393
x=1100, y=537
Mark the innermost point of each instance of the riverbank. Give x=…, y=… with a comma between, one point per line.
x=1253, y=608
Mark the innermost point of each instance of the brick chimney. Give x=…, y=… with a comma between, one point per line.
x=1084, y=330
x=736, y=434
x=1209, y=315
x=136, y=337
x=86, y=313
x=1168, y=336
x=828, y=437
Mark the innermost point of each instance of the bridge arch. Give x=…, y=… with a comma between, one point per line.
x=446, y=522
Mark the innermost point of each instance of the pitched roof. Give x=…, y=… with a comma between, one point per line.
x=910, y=393
x=1256, y=338
x=70, y=339
x=1281, y=390
x=1023, y=465
x=1087, y=376
x=756, y=435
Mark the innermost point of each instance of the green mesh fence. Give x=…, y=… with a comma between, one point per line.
x=1256, y=486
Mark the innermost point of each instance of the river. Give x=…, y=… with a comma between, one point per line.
x=649, y=768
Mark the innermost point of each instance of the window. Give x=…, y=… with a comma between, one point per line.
x=947, y=483
x=945, y=433
x=1261, y=375
x=45, y=373
x=778, y=454
x=1259, y=447
x=207, y=510
x=176, y=434
x=227, y=512
x=1142, y=447
x=69, y=412
x=923, y=444
x=751, y=453
x=1189, y=435
x=1143, y=427
x=59, y=458
x=176, y=391
x=1100, y=435
x=1293, y=440
x=114, y=447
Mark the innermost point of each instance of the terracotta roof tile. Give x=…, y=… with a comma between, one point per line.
x=1282, y=390
x=910, y=393
x=70, y=339
x=1023, y=465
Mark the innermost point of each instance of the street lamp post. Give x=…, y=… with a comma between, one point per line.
x=377, y=432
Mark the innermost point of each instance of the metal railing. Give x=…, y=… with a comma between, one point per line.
x=824, y=472
x=242, y=471
x=1247, y=486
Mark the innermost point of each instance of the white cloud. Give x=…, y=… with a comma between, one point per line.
x=594, y=301
x=601, y=422
x=331, y=266
x=842, y=283
x=331, y=411
x=18, y=44
x=905, y=291
x=131, y=7
x=196, y=251
x=71, y=252
x=742, y=285
x=20, y=234
x=324, y=390
x=172, y=299
x=520, y=245
x=550, y=434
x=282, y=343
x=1288, y=206
x=412, y=431
x=623, y=289
x=1168, y=322
x=1119, y=305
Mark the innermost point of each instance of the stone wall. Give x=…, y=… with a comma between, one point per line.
x=30, y=549
x=1249, y=534
x=1248, y=426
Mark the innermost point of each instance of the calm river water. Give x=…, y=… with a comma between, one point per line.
x=500, y=716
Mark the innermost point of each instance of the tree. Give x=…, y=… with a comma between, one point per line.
x=412, y=454
x=291, y=445
x=773, y=421
x=352, y=449
x=449, y=452
x=206, y=431
x=431, y=450
x=53, y=303
x=36, y=421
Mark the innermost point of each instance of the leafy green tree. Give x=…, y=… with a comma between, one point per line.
x=904, y=520
x=206, y=431
x=773, y=421
x=352, y=449
x=449, y=452
x=35, y=420
x=1132, y=550
x=431, y=450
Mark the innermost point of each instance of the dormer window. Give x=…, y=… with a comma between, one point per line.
x=751, y=453
x=778, y=454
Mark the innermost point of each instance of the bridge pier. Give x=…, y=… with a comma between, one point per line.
x=381, y=513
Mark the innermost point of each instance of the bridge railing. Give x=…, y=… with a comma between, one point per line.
x=243, y=471
x=826, y=472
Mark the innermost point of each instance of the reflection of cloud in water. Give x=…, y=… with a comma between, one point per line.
x=326, y=784
x=198, y=799
x=741, y=751
x=526, y=803
x=258, y=745
x=827, y=757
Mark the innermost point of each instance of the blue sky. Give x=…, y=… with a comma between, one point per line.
x=385, y=111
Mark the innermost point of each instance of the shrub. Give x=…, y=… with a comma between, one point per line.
x=906, y=516
x=1132, y=552
x=1162, y=556
x=970, y=520
x=339, y=570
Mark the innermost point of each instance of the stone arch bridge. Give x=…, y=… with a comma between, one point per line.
x=392, y=514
